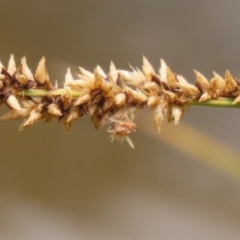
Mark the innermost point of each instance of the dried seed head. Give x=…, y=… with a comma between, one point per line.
x=103, y=120
x=120, y=129
x=170, y=96
x=25, y=70
x=150, y=88
x=204, y=86
x=217, y=85
x=108, y=103
x=46, y=116
x=120, y=99
x=147, y=69
x=13, y=103
x=99, y=75
x=134, y=78
x=159, y=115
x=113, y=73
x=83, y=99
x=206, y=96
x=153, y=101
x=54, y=110
x=80, y=85
x=66, y=100
x=41, y=74
x=163, y=71
x=92, y=109
x=11, y=65
x=66, y=125
x=68, y=78
x=86, y=75
x=177, y=113
x=73, y=115
x=22, y=79
x=16, y=114
x=171, y=79
x=230, y=82
x=132, y=112
x=167, y=76
x=26, y=103
x=137, y=95
x=203, y=82
x=119, y=83
x=110, y=99
x=100, y=81
x=187, y=88
x=35, y=115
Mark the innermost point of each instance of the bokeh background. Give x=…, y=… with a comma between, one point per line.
x=183, y=184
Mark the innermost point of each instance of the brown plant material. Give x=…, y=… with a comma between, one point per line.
x=110, y=99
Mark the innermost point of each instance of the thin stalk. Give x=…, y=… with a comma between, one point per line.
x=43, y=92
x=220, y=102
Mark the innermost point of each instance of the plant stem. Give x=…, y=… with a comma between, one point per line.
x=43, y=92
x=221, y=102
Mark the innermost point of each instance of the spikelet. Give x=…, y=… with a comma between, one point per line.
x=41, y=75
x=110, y=99
x=11, y=69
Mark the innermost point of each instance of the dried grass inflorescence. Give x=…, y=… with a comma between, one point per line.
x=111, y=99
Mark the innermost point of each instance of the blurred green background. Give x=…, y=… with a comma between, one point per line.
x=79, y=185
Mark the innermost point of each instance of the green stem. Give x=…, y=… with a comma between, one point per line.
x=221, y=102
x=43, y=92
